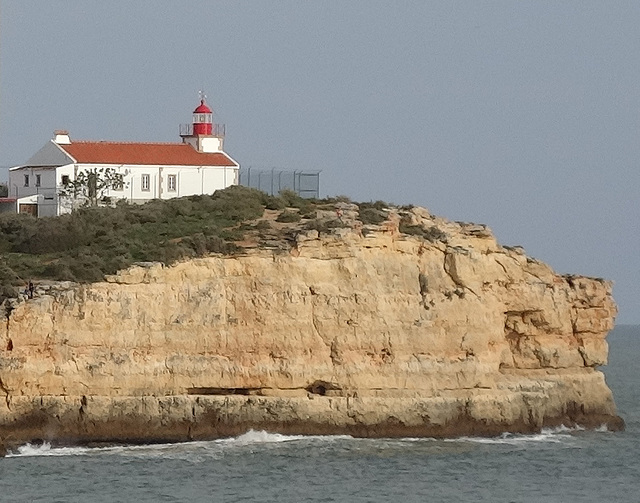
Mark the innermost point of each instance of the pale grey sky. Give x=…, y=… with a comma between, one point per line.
x=520, y=115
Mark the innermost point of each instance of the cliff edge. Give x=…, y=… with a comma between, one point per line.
x=414, y=326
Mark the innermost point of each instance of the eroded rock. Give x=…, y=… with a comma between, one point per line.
x=372, y=334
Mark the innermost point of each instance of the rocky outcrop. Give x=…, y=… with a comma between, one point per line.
x=435, y=331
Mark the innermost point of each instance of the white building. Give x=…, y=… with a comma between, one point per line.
x=197, y=165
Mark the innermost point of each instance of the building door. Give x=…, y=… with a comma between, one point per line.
x=29, y=209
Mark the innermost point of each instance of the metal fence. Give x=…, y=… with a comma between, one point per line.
x=273, y=180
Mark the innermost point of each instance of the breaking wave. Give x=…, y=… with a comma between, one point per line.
x=199, y=450
x=560, y=434
x=263, y=437
x=175, y=450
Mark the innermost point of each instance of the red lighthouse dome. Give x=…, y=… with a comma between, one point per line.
x=202, y=108
x=202, y=119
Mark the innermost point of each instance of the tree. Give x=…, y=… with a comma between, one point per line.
x=4, y=190
x=90, y=186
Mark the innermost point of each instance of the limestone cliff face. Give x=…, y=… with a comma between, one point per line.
x=364, y=330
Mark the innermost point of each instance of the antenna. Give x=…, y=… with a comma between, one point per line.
x=203, y=96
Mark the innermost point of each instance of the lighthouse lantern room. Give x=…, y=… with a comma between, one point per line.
x=202, y=119
x=203, y=134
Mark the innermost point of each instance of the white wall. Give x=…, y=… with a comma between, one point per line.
x=190, y=180
x=47, y=181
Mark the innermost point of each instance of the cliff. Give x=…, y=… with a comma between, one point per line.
x=361, y=329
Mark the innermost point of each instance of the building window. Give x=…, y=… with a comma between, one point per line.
x=171, y=183
x=26, y=180
x=65, y=179
x=37, y=180
x=146, y=182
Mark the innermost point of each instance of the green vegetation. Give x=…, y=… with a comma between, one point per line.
x=288, y=216
x=431, y=234
x=324, y=226
x=89, y=187
x=306, y=207
x=93, y=241
x=373, y=213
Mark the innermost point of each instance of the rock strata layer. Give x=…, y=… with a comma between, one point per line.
x=364, y=330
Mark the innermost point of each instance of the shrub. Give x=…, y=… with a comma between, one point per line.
x=219, y=245
x=324, y=226
x=273, y=202
x=198, y=243
x=308, y=211
x=238, y=203
x=263, y=225
x=7, y=291
x=431, y=234
x=291, y=199
x=231, y=234
x=288, y=216
x=378, y=205
x=371, y=216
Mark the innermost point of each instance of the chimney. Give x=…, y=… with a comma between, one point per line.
x=61, y=137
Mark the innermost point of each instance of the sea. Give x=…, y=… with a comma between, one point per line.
x=559, y=465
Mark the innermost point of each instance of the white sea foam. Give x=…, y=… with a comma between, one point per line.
x=173, y=450
x=263, y=437
x=563, y=429
x=259, y=437
x=554, y=436
x=45, y=449
x=508, y=439
x=214, y=448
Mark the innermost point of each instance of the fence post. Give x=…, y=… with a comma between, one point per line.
x=272, y=171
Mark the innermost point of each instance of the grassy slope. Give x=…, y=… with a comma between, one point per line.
x=92, y=242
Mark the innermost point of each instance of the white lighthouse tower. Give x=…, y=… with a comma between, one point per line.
x=203, y=134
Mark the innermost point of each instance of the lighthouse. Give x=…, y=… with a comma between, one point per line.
x=202, y=134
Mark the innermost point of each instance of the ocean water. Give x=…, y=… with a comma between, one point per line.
x=554, y=466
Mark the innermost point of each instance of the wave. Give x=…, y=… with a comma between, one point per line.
x=214, y=448
x=557, y=435
x=263, y=437
x=175, y=450
x=45, y=449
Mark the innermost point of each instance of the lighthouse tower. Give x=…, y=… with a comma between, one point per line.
x=203, y=134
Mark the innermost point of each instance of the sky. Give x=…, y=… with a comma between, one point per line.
x=521, y=115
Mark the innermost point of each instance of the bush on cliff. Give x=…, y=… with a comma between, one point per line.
x=288, y=217
x=94, y=241
x=371, y=215
x=91, y=242
x=431, y=234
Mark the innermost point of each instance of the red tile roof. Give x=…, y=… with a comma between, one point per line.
x=163, y=154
